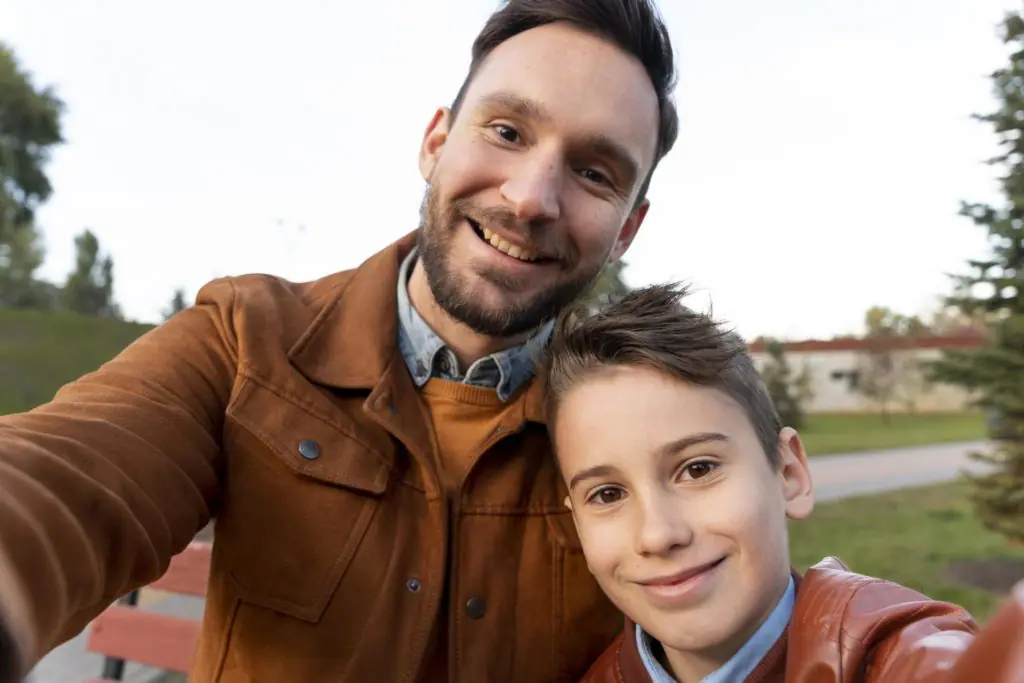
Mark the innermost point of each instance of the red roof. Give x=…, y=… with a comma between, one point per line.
x=961, y=341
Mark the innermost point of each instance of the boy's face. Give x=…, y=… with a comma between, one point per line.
x=681, y=515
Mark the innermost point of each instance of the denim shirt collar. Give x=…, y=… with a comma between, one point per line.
x=744, y=661
x=426, y=355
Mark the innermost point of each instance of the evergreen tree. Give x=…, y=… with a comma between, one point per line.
x=177, y=305
x=789, y=392
x=609, y=286
x=994, y=289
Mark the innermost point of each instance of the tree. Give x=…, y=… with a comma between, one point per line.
x=177, y=304
x=90, y=286
x=993, y=289
x=789, y=393
x=20, y=257
x=609, y=286
x=887, y=372
x=29, y=129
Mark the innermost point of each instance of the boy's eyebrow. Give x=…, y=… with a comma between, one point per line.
x=590, y=472
x=682, y=444
x=670, y=448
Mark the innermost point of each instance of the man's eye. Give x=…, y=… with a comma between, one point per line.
x=507, y=133
x=594, y=176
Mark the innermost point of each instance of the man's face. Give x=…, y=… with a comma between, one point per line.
x=532, y=186
x=681, y=515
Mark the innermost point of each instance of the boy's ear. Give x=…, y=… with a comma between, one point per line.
x=795, y=475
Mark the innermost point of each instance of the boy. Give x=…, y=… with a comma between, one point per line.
x=680, y=481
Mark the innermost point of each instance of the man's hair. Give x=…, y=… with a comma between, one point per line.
x=651, y=328
x=635, y=26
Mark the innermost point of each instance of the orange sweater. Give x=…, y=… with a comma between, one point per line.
x=464, y=418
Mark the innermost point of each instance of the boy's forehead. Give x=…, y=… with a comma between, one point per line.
x=631, y=411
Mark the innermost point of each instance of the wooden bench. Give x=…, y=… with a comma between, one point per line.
x=126, y=632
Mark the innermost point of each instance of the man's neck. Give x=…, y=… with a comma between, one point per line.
x=467, y=344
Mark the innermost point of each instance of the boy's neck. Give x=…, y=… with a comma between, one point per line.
x=693, y=667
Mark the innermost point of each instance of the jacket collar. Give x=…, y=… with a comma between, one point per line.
x=355, y=337
x=353, y=342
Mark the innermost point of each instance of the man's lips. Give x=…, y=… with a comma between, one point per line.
x=680, y=577
x=507, y=246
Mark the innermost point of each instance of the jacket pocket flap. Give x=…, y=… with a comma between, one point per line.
x=309, y=444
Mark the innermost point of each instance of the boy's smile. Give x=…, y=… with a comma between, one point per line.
x=682, y=588
x=681, y=513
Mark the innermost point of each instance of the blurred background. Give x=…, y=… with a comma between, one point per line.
x=816, y=198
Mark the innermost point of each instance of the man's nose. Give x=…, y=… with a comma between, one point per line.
x=662, y=526
x=534, y=191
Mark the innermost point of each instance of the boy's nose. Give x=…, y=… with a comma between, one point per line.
x=662, y=528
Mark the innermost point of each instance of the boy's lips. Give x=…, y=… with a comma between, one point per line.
x=681, y=576
x=682, y=589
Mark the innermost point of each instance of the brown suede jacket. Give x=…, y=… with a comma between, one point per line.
x=848, y=628
x=286, y=412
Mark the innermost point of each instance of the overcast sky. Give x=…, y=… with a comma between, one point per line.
x=824, y=150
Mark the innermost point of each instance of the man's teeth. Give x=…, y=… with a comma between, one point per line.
x=506, y=248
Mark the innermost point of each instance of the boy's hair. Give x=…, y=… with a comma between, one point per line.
x=635, y=26
x=650, y=327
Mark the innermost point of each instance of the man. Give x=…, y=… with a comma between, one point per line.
x=371, y=445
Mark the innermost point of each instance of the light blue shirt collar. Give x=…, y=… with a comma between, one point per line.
x=426, y=355
x=744, y=661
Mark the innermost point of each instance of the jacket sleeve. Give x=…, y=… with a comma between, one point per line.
x=997, y=653
x=911, y=639
x=102, y=486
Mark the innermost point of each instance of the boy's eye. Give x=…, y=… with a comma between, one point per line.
x=606, y=495
x=699, y=469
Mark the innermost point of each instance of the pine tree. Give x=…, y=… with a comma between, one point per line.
x=788, y=392
x=994, y=290
x=177, y=305
x=608, y=287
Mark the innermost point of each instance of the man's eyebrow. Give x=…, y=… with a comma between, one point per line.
x=517, y=104
x=673, y=447
x=590, y=473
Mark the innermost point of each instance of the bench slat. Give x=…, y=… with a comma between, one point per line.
x=157, y=640
x=189, y=571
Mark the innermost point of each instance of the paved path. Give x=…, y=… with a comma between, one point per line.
x=842, y=476
x=835, y=476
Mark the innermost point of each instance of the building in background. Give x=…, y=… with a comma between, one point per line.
x=872, y=375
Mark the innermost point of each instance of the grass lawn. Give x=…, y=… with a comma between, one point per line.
x=827, y=434
x=924, y=538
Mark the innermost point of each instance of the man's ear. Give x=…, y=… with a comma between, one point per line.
x=434, y=138
x=629, y=230
x=795, y=475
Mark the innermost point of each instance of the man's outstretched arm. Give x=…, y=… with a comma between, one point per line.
x=103, y=485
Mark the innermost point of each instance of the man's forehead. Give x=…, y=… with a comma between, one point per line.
x=566, y=76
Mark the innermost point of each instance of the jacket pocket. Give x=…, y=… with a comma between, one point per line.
x=301, y=489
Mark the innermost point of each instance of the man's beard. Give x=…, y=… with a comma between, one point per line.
x=451, y=287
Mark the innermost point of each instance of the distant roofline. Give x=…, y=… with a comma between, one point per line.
x=957, y=341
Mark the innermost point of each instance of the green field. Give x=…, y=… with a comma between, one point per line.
x=828, y=434
x=924, y=538
x=42, y=351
